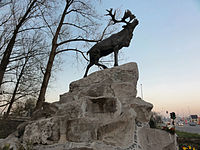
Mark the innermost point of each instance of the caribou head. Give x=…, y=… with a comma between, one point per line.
x=127, y=14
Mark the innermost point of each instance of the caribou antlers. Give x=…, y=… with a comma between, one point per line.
x=127, y=14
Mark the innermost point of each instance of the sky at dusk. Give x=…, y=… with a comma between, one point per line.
x=166, y=47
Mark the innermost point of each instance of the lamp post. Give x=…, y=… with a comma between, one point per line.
x=141, y=91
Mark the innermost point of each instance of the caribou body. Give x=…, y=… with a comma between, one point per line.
x=113, y=43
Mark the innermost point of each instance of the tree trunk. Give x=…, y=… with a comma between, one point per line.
x=9, y=48
x=6, y=56
x=46, y=78
x=15, y=90
x=47, y=74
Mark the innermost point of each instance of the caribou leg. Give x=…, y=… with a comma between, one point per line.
x=87, y=69
x=116, y=57
x=98, y=64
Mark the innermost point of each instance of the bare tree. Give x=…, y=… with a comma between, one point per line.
x=25, y=69
x=16, y=86
x=77, y=24
x=23, y=60
x=18, y=19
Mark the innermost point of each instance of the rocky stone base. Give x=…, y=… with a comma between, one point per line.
x=100, y=112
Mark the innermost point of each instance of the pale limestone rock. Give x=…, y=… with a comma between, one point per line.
x=142, y=109
x=62, y=130
x=97, y=145
x=44, y=131
x=100, y=112
x=12, y=140
x=96, y=108
x=107, y=83
x=120, y=131
x=156, y=139
x=81, y=130
x=70, y=110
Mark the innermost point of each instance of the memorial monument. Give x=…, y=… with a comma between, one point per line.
x=100, y=111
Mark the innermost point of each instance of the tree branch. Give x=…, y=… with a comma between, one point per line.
x=77, y=40
x=33, y=28
x=46, y=21
x=71, y=24
x=75, y=50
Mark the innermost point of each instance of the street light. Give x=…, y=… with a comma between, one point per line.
x=141, y=91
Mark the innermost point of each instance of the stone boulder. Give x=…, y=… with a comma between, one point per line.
x=100, y=112
x=156, y=139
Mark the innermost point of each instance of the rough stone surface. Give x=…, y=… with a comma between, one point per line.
x=82, y=130
x=44, y=131
x=12, y=140
x=156, y=139
x=120, y=131
x=142, y=109
x=100, y=112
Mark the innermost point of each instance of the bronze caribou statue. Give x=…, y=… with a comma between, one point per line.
x=115, y=42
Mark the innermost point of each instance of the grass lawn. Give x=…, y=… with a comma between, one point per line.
x=187, y=135
x=188, y=140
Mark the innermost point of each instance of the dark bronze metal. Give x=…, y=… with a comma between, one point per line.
x=115, y=42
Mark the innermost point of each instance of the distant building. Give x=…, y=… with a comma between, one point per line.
x=193, y=118
x=198, y=121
